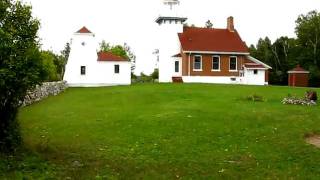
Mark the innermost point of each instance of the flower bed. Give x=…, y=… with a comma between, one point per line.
x=298, y=101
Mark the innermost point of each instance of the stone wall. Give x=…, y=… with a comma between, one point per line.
x=45, y=90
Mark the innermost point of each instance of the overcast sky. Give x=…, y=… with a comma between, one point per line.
x=129, y=21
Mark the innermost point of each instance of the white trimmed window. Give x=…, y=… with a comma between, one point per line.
x=197, y=63
x=215, y=63
x=233, y=63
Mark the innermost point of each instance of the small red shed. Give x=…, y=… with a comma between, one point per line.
x=298, y=77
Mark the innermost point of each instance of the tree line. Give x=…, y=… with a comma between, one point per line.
x=54, y=64
x=285, y=53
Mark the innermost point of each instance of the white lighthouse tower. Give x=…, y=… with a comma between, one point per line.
x=170, y=24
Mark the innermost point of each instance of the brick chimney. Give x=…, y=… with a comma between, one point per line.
x=230, y=25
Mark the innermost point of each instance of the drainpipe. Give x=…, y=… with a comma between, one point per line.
x=189, y=64
x=240, y=68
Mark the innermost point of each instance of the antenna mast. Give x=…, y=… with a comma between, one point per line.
x=171, y=3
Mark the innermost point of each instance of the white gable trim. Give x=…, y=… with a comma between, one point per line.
x=258, y=62
x=256, y=68
x=84, y=34
x=298, y=72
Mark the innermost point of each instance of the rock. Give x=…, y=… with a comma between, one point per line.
x=311, y=95
x=76, y=164
x=45, y=90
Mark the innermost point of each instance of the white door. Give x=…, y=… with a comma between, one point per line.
x=177, y=67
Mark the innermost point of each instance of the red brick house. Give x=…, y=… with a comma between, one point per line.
x=211, y=55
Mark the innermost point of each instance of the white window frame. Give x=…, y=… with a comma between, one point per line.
x=233, y=70
x=255, y=70
x=194, y=60
x=212, y=63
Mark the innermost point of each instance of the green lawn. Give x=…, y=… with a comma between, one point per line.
x=167, y=131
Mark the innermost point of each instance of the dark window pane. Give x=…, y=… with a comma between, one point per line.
x=116, y=69
x=215, y=63
x=197, y=62
x=83, y=70
x=255, y=71
x=176, y=66
x=233, y=63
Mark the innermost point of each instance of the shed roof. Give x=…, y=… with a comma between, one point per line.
x=298, y=69
x=177, y=55
x=254, y=66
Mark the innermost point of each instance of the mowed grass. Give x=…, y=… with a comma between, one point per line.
x=170, y=131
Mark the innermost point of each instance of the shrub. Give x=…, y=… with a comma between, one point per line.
x=255, y=98
x=133, y=76
x=143, y=78
x=314, y=77
x=155, y=74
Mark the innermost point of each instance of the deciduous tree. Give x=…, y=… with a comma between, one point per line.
x=122, y=51
x=308, y=32
x=64, y=58
x=104, y=46
x=20, y=66
x=131, y=56
x=51, y=64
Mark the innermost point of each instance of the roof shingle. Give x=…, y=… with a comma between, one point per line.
x=211, y=39
x=84, y=30
x=253, y=65
x=298, y=69
x=107, y=56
